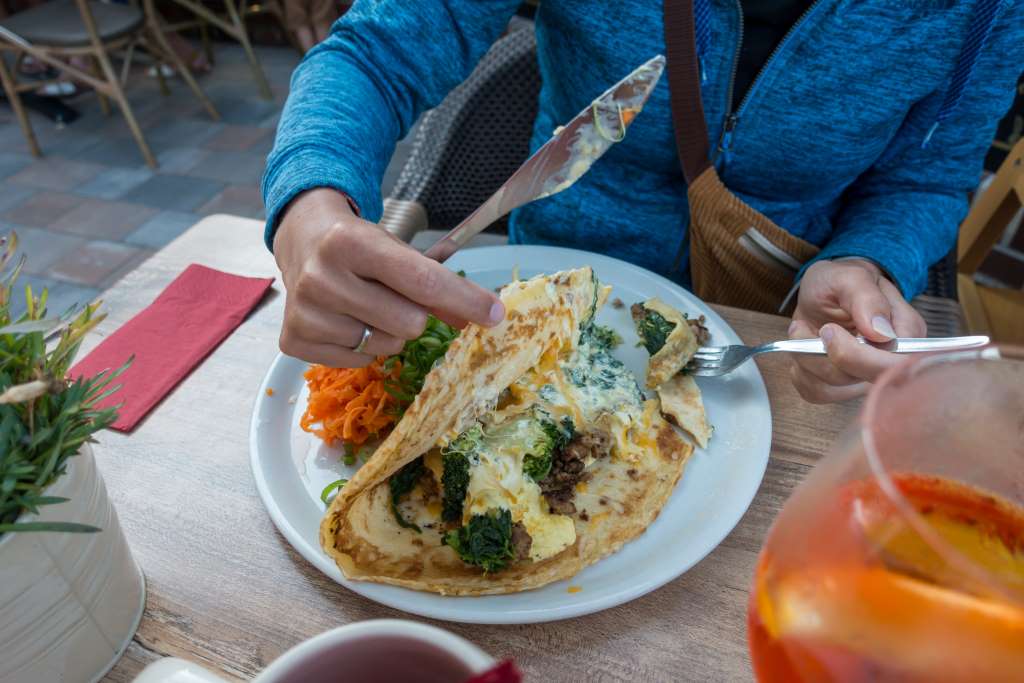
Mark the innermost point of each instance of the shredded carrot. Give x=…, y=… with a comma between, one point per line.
x=349, y=404
x=270, y=392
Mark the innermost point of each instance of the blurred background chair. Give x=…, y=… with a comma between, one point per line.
x=232, y=23
x=57, y=32
x=996, y=311
x=467, y=146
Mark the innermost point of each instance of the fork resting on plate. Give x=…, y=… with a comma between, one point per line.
x=712, y=361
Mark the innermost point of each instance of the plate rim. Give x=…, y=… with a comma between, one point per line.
x=382, y=593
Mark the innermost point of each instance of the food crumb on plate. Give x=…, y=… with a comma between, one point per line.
x=574, y=589
x=617, y=303
x=270, y=392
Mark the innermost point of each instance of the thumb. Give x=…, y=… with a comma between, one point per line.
x=871, y=311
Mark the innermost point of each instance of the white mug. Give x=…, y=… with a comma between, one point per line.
x=377, y=651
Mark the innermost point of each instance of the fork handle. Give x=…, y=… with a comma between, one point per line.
x=816, y=346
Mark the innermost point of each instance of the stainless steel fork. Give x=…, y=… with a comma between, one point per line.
x=712, y=361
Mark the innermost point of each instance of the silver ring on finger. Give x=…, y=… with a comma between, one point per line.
x=367, y=335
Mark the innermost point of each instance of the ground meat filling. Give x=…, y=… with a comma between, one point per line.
x=521, y=541
x=700, y=331
x=428, y=488
x=567, y=469
x=637, y=312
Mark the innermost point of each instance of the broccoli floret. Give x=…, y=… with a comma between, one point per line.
x=548, y=438
x=538, y=436
x=455, y=458
x=652, y=327
x=485, y=542
x=536, y=465
x=401, y=483
x=560, y=435
x=601, y=336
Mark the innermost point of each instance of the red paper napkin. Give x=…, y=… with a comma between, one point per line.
x=189, y=319
x=506, y=672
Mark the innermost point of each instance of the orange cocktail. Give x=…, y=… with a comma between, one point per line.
x=901, y=557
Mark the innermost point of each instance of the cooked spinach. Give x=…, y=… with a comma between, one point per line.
x=601, y=336
x=455, y=459
x=653, y=329
x=401, y=483
x=486, y=541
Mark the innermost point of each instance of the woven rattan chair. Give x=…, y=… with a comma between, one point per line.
x=467, y=146
x=62, y=29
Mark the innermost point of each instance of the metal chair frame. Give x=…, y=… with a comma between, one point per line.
x=233, y=24
x=103, y=79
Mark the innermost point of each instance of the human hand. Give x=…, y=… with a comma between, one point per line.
x=838, y=299
x=341, y=273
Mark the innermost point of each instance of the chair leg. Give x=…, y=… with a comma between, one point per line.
x=158, y=44
x=161, y=80
x=117, y=93
x=104, y=102
x=19, y=110
x=204, y=37
x=243, y=37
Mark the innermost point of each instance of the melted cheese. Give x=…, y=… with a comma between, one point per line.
x=585, y=384
x=591, y=388
x=497, y=481
x=432, y=461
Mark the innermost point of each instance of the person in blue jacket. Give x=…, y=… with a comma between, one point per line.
x=857, y=125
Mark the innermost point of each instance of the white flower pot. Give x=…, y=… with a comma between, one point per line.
x=69, y=603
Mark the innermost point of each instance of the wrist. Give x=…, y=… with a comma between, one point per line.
x=318, y=207
x=867, y=264
x=308, y=216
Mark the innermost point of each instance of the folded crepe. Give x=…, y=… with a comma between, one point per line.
x=672, y=338
x=683, y=405
x=667, y=336
x=529, y=454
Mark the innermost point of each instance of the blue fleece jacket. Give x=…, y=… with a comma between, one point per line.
x=863, y=133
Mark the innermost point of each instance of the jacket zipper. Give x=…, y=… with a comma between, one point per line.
x=732, y=119
x=725, y=139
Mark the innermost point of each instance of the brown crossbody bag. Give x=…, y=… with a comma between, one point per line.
x=738, y=256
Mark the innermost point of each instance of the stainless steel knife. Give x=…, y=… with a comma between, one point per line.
x=564, y=158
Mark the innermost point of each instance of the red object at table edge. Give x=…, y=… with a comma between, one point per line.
x=170, y=337
x=506, y=672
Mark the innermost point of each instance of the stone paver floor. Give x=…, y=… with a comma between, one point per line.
x=90, y=210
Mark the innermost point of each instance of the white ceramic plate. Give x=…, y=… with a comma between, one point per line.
x=292, y=467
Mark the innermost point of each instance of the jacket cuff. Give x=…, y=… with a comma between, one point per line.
x=295, y=171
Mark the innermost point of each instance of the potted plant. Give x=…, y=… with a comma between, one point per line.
x=71, y=594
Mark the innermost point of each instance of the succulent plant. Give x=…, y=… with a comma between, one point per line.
x=44, y=416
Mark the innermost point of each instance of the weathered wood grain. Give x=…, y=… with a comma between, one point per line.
x=227, y=591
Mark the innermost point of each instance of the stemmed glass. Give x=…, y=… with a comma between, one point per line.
x=901, y=556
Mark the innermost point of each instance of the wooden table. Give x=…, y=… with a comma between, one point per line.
x=227, y=591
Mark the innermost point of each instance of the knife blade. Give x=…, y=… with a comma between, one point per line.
x=563, y=159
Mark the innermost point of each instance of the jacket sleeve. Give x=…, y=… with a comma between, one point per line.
x=904, y=212
x=357, y=93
